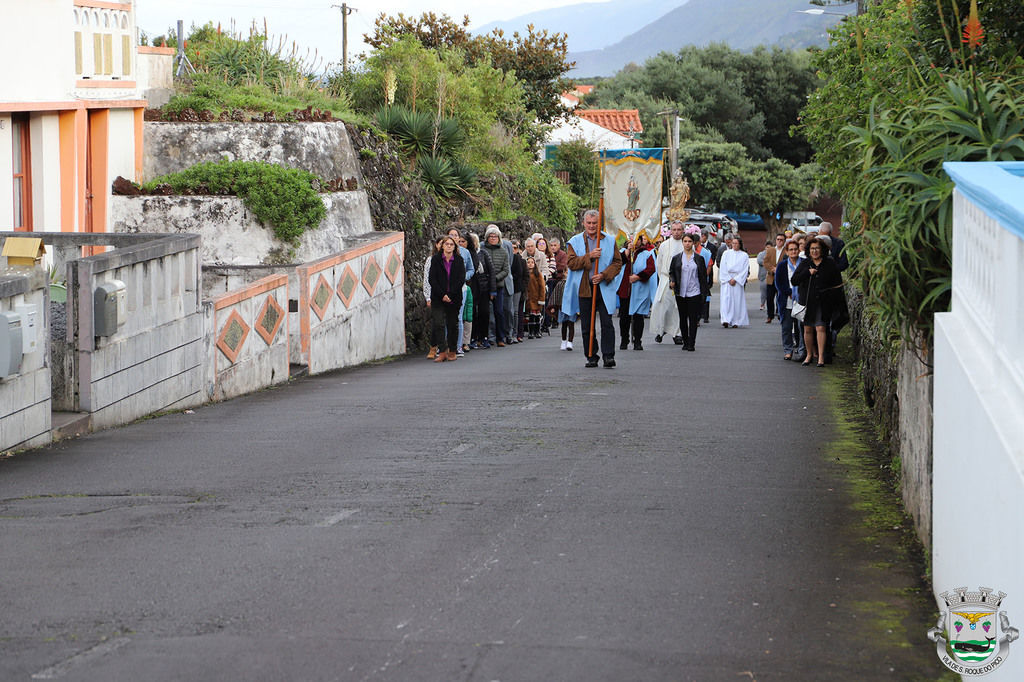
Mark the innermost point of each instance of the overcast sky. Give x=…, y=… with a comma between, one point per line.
x=315, y=24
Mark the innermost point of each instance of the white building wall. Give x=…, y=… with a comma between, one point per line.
x=577, y=128
x=978, y=474
x=42, y=29
x=6, y=173
x=121, y=160
x=45, y=133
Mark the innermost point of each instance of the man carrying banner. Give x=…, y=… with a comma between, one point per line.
x=585, y=250
x=664, y=314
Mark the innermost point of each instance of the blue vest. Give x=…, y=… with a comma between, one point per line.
x=609, y=290
x=641, y=294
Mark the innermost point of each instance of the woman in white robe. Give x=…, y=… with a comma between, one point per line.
x=733, y=272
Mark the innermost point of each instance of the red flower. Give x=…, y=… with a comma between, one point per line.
x=974, y=34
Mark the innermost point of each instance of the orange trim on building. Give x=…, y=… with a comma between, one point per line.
x=81, y=146
x=89, y=83
x=152, y=49
x=72, y=105
x=331, y=261
x=66, y=145
x=114, y=103
x=268, y=283
x=102, y=4
x=139, y=135
x=99, y=150
x=304, y=323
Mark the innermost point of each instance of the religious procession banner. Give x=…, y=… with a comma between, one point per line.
x=631, y=180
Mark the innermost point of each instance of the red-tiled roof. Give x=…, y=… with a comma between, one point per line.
x=621, y=121
x=584, y=89
x=571, y=97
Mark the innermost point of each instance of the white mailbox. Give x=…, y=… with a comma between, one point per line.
x=110, y=306
x=10, y=344
x=29, y=327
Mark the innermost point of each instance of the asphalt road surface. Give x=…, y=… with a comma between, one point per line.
x=510, y=516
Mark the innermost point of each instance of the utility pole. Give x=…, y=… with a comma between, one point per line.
x=345, y=11
x=672, y=135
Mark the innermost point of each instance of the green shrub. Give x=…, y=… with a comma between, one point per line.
x=439, y=175
x=284, y=198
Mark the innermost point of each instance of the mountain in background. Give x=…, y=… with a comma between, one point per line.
x=740, y=24
x=591, y=25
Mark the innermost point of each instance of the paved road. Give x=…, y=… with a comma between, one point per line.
x=511, y=516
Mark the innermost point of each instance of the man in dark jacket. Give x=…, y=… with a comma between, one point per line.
x=838, y=250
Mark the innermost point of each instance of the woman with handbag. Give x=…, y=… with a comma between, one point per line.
x=817, y=278
x=791, y=313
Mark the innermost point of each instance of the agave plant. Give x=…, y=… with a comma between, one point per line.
x=439, y=174
x=903, y=249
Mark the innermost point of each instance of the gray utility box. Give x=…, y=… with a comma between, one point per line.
x=109, y=304
x=10, y=344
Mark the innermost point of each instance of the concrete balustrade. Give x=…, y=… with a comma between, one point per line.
x=25, y=395
x=978, y=475
x=173, y=349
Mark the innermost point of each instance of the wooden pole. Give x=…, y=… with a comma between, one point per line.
x=594, y=291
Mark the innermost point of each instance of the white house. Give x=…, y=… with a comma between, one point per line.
x=70, y=112
x=600, y=128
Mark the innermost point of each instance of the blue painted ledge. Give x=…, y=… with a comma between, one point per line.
x=996, y=186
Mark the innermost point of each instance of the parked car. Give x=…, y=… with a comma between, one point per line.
x=719, y=223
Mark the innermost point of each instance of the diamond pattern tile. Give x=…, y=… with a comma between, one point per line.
x=232, y=336
x=371, y=274
x=270, y=319
x=393, y=266
x=321, y=298
x=347, y=285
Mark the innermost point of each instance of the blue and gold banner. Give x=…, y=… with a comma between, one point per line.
x=631, y=180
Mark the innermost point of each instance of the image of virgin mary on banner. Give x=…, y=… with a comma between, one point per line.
x=631, y=179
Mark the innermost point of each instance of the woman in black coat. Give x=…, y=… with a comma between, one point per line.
x=818, y=282
x=447, y=277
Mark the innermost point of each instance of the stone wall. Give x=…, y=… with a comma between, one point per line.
x=897, y=388
x=399, y=202
x=25, y=395
x=232, y=235
x=320, y=148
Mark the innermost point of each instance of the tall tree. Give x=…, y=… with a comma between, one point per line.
x=537, y=59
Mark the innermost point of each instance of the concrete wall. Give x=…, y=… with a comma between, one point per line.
x=155, y=66
x=43, y=29
x=979, y=396
x=351, y=306
x=25, y=396
x=231, y=232
x=320, y=148
x=155, y=361
x=247, y=338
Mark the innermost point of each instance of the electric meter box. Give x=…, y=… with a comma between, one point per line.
x=109, y=303
x=29, y=327
x=10, y=344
